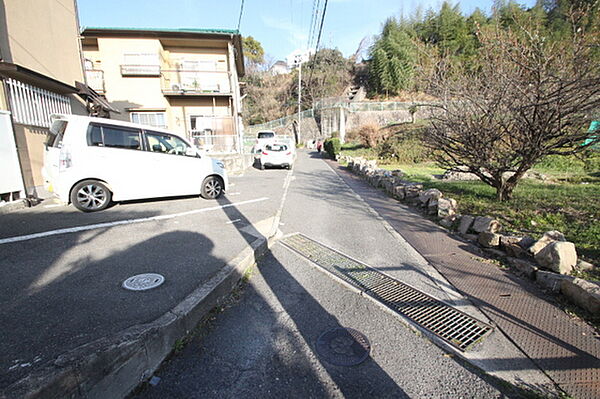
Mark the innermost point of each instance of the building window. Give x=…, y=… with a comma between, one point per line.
x=31, y=105
x=140, y=64
x=156, y=119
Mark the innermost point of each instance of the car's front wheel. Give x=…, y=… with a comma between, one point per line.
x=90, y=196
x=212, y=187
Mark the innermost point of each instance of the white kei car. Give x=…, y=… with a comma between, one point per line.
x=90, y=162
x=277, y=154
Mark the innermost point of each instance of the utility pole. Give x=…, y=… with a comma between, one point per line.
x=299, y=99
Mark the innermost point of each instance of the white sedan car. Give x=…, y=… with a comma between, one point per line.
x=277, y=154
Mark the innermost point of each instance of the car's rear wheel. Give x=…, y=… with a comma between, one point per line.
x=90, y=196
x=212, y=187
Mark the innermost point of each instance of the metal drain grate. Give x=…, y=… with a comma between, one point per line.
x=452, y=325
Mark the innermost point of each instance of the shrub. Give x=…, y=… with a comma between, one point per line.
x=332, y=146
x=404, y=145
x=370, y=135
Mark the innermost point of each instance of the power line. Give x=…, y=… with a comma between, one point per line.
x=321, y=27
x=312, y=70
x=314, y=27
x=240, y=18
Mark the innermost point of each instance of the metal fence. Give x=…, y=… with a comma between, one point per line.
x=337, y=102
x=32, y=105
x=309, y=113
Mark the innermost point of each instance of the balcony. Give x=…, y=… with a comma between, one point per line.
x=140, y=70
x=183, y=82
x=95, y=80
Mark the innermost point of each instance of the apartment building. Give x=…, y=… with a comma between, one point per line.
x=185, y=80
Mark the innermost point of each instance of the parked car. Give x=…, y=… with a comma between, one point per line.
x=90, y=162
x=262, y=138
x=277, y=154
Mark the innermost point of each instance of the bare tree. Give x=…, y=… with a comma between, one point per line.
x=528, y=97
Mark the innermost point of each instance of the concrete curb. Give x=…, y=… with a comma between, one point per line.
x=112, y=367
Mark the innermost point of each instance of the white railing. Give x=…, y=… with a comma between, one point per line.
x=31, y=105
x=140, y=70
x=215, y=144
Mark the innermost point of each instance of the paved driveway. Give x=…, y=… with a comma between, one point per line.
x=63, y=269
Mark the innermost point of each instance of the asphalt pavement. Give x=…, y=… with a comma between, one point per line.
x=262, y=344
x=63, y=270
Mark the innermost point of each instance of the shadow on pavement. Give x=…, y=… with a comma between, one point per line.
x=65, y=291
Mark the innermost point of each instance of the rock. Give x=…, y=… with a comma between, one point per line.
x=526, y=242
x=448, y=221
x=459, y=173
x=486, y=223
x=432, y=207
x=558, y=256
x=399, y=192
x=514, y=250
x=488, y=240
x=505, y=240
x=397, y=173
x=549, y=236
x=583, y=293
x=510, y=244
x=412, y=190
x=466, y=221
x=523, y=267
x=584, y=266
x=446, y=207
x=427, y=195
x=550, y=280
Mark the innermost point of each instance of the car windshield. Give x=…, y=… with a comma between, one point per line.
x=276, y=147
x=266, y=135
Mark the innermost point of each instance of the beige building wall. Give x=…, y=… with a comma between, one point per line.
x=141, y=93
x=43, y=37
x=126, y=92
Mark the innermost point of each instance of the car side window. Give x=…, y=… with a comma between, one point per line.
x=166, y=143
x=114, y=137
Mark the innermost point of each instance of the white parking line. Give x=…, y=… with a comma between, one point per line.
x=230, y=194
x=233, y=221
x=121, y=222
x=52, y=206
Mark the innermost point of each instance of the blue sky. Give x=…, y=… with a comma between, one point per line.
x=280, y=25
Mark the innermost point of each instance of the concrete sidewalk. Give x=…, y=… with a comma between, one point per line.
x=567, y=350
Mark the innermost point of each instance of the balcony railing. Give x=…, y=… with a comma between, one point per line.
x=140, y=70
x=192, y=82
x=95, y=80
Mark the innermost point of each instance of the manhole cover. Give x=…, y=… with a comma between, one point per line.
x=142, y=282
x=343, y=346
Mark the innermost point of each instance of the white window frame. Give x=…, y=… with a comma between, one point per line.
x=147, y=113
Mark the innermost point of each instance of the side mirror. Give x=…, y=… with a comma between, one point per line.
x=191, y=152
